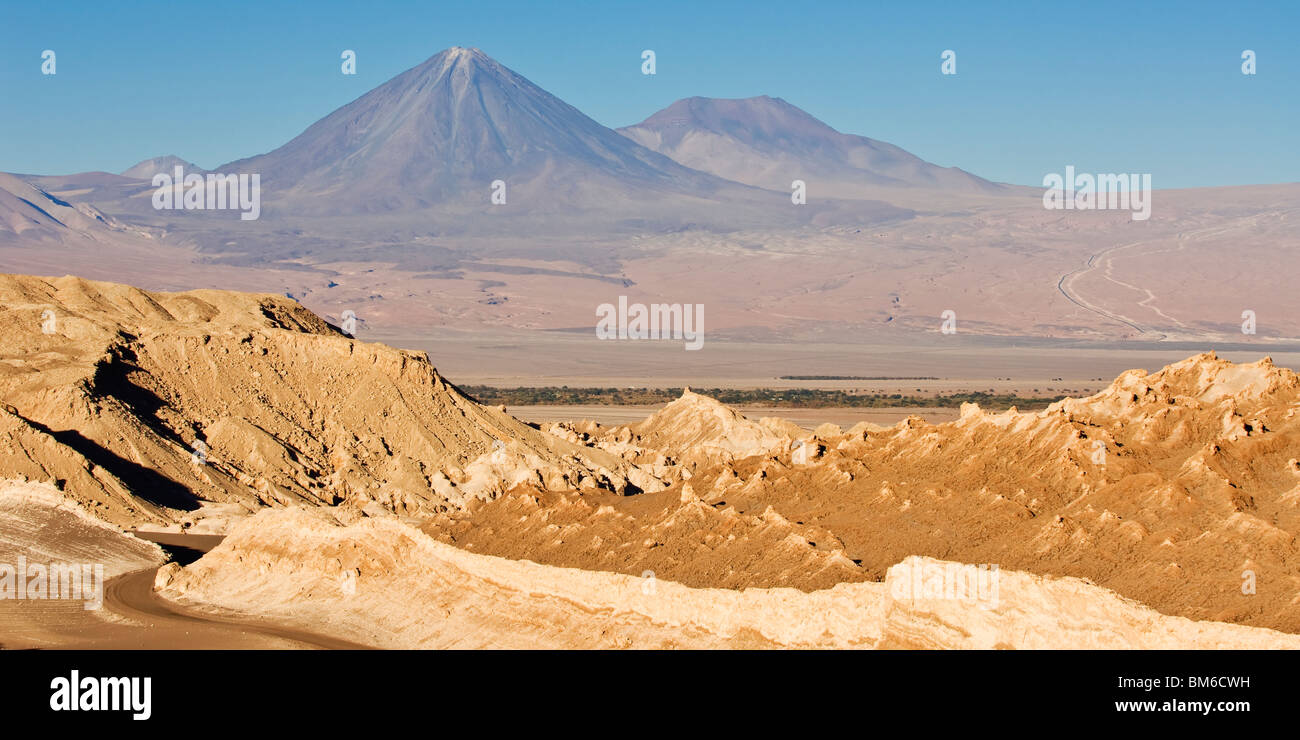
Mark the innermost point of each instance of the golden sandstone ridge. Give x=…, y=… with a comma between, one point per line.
x=364, y=495
x=381, y=582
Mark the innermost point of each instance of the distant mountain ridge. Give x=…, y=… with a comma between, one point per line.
x=146, y=169
x=766, y=142
x=32, y=214
x=425, y=152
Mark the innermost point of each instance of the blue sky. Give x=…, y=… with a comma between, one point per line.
x=1105, y=86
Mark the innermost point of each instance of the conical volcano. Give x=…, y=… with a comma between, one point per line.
x=442, y=132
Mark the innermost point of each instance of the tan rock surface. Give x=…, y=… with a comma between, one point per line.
x=383, y=583
x=1179, y=489
x=109, y=391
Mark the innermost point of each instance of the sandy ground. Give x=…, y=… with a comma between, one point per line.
x=515, y=359
x=134, y=618
x=39, y=525
x=806, y=418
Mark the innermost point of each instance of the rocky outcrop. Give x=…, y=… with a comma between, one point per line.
x=143, y=405
x=1178, y=488
x=694, y=431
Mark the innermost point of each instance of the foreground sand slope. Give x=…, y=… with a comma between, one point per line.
x=38, y=522
x=384, y=583
x=40, y=525
x=1038, y=612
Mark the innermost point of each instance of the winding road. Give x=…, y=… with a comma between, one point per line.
x=1066, y=283
x=166, y=625
x=133, y=617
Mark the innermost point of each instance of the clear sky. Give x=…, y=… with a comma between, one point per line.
x=1153, y=87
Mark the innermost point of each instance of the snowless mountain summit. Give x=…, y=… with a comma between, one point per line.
x=146, y=169
x=446, y=130
x=765, y=142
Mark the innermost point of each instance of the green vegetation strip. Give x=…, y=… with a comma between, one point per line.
x=783, y=397
x=857, y=377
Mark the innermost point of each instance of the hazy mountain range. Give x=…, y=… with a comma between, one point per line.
x=28, y=212
x=148, y=168
x=384, y=207
x=433, y=140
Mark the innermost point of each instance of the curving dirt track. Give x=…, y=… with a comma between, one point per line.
x=131, y=596
x=1066, y=286
x=1103, y=259
x=134, y=618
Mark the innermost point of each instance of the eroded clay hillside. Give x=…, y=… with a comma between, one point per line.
x=143, y=406
x=1177, y=488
